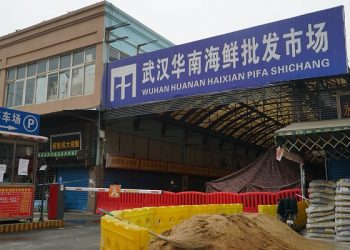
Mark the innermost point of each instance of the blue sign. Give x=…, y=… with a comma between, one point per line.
x=306, y=46
x=19, y=121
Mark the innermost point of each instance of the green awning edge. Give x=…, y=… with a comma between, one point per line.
x=311, y=131
x=58, y=154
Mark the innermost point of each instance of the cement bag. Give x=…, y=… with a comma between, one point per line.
x=321, y=201
x=321, y=225
x=341, y=222
x=321, y=236
x=322, y=196
x=343, y=182
x=321, y=230
x=323, y=214
x=342, y=228
x=342, y=209
x=340, y=197
x=321, y=219
x=325, y=190
x=342, y=203
x=343, y=233
x=342, y=190
x=319, y=209
x=322, y=184
x=343, y=216
x=342, y=238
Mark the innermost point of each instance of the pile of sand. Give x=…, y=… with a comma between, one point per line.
x=239, y=231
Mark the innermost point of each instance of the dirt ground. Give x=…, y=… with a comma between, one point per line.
x=239, y=231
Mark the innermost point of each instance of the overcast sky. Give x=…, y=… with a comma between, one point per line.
x=179, y=21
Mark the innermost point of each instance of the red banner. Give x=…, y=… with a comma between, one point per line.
x=16, y=202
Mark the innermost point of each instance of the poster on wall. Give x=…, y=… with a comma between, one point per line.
x=23, y=166
x=2, y=172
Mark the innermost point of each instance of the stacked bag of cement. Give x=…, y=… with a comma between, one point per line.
x=321, y=211
x=342, y=208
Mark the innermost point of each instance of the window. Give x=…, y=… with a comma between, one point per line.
x=31, y=71
x=41, y=90
x=11, y=74
x=89, y=79
x=52, y=87
x=10, y=94
x=21, y=72
x=78, y=57
x=90, y=54
x=65, y=61
x=6, y=163
x=58, y=77
x=64, y=84
x=29, y=94
x=24, y=164
x=77, y=81
x=53, y=63
x=42, y=66
x=19, y=87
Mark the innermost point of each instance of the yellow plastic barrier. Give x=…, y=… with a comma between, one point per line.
x=301, y=219
x=267, y=209
x=121, y=235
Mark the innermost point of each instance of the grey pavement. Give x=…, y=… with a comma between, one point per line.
x=81, y=231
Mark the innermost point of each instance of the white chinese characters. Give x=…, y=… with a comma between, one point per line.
x=266, y=48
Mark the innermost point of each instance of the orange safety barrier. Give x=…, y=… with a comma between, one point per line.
x=191, y=198
x=105, y=202
x=223, y=198
x=168, y=199
x=250, y=200
x=132, y=200
x=289, y=193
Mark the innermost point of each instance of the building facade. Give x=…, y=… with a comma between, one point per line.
x=55, y=69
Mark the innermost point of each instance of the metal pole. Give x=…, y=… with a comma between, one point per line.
x=302, y=180
x=42, y=197
x=43, y=180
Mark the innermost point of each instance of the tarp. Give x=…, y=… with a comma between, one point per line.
x=265, y=174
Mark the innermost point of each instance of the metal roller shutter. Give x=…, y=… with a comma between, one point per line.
x=338, y=169
x=76, y=177
x=138, y=179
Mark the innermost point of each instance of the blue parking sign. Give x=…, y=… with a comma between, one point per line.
x=19, y=121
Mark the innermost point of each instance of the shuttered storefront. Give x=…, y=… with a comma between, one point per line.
x=138, y=179
x=338, y=169
x=74, y=177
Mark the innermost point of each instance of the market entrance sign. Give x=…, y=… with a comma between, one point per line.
x=307, y=46
x=12, y=120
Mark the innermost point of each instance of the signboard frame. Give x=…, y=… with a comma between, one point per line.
x=74, y=136
x=302, y=47
x=12, y=120
x=21, y=200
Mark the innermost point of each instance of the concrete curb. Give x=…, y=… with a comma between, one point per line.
x=18, y=227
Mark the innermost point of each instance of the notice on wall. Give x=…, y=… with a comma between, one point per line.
x=3, y=168
x=16, y=202
x=23, y=166
x=2, y=172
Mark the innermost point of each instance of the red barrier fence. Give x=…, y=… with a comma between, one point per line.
x=250, y=200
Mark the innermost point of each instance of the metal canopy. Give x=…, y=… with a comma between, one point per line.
x=18, y=136
x=250, y=116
